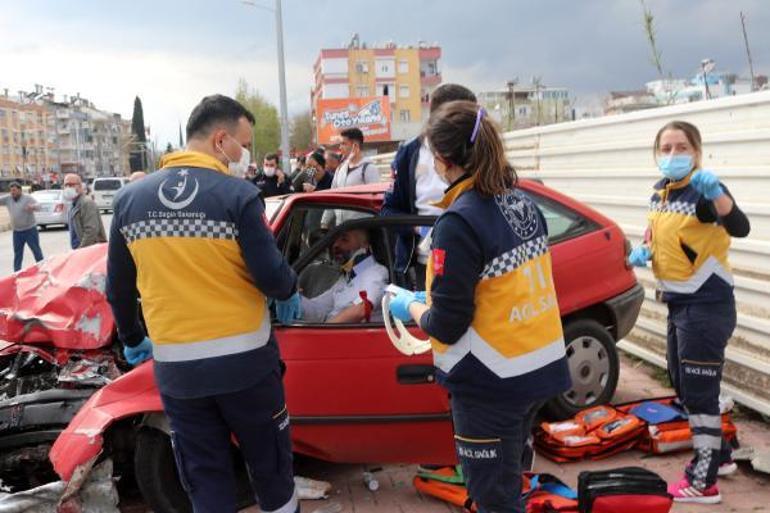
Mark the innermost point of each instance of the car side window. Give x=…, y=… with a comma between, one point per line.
x=305, y=229
x=563, y=223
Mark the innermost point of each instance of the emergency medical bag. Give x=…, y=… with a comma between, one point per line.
x=595, y=433
x=622, y=490
x=673, y=435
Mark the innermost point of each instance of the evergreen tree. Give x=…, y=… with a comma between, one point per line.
x=138, y=156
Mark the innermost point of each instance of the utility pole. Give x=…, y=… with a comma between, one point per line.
x=537, y=82
x=285, y=160
x=748, y=51
x=512, y=103
x=707, y=65
x=282, y=82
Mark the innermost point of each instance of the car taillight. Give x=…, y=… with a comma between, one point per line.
x=59, y=207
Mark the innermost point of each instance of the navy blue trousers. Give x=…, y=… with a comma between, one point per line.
x=697, y=337
x=30, y=238
x=201, y=436
x=491, y=443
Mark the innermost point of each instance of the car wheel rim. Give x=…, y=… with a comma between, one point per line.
x=589, y=366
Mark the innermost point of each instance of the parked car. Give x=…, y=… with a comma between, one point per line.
x=103, y=191
x=352, y=396
x=54, y=209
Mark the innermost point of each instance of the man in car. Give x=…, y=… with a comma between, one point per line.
x=357, y=294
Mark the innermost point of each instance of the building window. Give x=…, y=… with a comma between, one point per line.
x=362, y=90
x=403, y=91
x=404, y=115
x=403, y=66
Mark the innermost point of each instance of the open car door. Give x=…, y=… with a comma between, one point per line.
x=353, y=397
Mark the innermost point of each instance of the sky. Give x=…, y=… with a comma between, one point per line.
x=171, y=53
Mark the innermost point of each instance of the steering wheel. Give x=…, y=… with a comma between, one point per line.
x=404, y=341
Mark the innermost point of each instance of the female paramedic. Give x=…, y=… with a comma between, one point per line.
x=692, y=217
x=491, y=310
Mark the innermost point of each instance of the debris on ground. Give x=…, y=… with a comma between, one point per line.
x=311, y=489
x=98, y=495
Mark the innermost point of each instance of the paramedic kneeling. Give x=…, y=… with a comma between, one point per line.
x=491, y=310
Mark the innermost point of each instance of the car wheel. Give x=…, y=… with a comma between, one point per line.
x=594, y=367
x=157, y=478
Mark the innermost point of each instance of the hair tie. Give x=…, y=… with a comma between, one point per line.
x=480, y=114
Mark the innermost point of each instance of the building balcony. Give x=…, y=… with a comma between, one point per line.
x=430, y=79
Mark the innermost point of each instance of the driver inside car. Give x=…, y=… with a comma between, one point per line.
x=353, y=297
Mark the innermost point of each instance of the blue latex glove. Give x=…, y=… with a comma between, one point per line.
x=421, y=297
x=707, y=183
x=399, y=305
x=137, y=354
x=639, y=256
x=290, y=309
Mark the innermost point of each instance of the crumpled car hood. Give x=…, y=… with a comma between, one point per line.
x=60, y=301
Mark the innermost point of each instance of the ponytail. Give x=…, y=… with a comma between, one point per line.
x=461, y=133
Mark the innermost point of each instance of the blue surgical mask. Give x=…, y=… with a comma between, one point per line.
x=675, y=167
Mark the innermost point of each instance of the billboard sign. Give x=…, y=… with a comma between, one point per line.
x=370, y=114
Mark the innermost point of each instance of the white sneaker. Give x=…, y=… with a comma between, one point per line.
x=726, y=469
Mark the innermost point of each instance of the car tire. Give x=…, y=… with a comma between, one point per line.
x=157, y=478
x=594, y=366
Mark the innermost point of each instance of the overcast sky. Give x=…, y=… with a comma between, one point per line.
x=172, y=52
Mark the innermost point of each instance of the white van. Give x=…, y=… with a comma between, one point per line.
x=103, y=190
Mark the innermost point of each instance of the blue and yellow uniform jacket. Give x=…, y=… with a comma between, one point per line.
x=194, y=243
x=494, y=319
x=690, y=243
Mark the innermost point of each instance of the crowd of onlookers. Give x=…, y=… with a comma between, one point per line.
x=321, y=169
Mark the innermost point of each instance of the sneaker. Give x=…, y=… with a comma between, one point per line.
x=683, y=491
x=725, y=469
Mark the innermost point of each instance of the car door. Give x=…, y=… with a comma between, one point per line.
x=352, y=396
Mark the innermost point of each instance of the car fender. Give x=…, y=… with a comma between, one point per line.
x=78, y=446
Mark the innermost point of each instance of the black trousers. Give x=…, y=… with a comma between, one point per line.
x=201, y=436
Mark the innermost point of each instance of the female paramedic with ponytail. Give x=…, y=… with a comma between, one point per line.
x=491, y=310
x=692, y=217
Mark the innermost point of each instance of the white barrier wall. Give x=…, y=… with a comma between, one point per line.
x=608, y=164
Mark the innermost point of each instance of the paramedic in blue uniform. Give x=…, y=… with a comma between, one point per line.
x=193, y=240
x=691, y=220
x=491, y=309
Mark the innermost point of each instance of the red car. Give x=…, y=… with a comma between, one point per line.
x=352, y=396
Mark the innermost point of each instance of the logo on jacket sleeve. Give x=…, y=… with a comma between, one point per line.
x=180, y=197
x=438, y=256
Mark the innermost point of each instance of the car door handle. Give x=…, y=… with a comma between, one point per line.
x=415, y=374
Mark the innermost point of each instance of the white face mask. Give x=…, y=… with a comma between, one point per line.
x=70, y=193
x=268, y=171
x=240, y=167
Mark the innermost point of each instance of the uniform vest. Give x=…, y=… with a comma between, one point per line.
x=685, y=251
x=516, y=328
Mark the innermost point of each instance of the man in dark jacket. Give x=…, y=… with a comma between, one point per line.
x=417, y=186
x=318, y=178
x=271, y=181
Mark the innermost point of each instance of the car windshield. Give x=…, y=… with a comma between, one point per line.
x=107, y=185
x=47, y=195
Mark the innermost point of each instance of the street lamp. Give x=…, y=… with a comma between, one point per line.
x=707, y=65
x=281, y=79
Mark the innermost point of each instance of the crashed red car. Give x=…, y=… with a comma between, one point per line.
x=352, y=396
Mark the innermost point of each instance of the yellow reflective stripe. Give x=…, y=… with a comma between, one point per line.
x=503, y=367
x=710, y=267
x=477, y=440
x=189, y=351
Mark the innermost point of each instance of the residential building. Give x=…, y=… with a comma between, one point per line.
x=41, y=137
x=519, y=107
x=404, y=76
x=620, y=102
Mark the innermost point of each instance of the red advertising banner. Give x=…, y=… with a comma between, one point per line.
x=370, y=114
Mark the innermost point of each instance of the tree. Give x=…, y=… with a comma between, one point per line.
x=138, y=156
x=302, y=131
x=267, y=129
